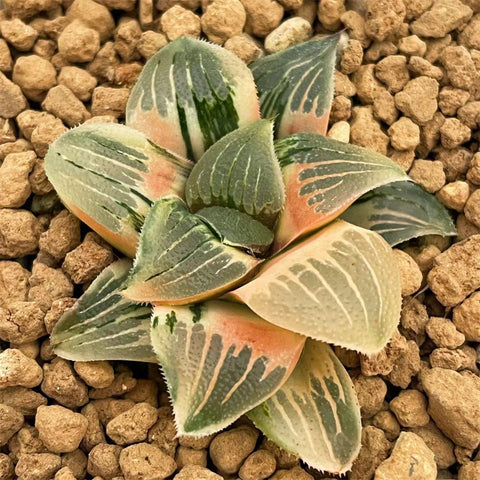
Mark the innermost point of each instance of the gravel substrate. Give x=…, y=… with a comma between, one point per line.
x=407, y=85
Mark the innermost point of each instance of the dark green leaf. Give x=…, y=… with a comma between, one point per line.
x=237, y=228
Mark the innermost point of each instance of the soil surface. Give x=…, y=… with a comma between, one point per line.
x=407, y=85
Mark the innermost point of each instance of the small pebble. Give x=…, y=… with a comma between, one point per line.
x=18, y=370
x=104, y=461
x=97, y=374
x=229, y=449
x=190, y=472
x=132, y=426
x=10, y=423
x=410, y=408
x=410, y=458
x=443, y=333
x=60, y=429
x=258, y=466
x=223, y=19
x=178, y=21
x=429, y=174
x=454, y=404
x=291, y=32
x=78, y=43
x=35, y=76
x=21, y=36
x=146, y=462
x=37, y=466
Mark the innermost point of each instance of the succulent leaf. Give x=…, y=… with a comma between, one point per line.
x=296, y=86
x=108, y=175
x=340, y=286
x=190, y=94
x=323, y=177
x=102, y=325
x=399, y=212
x=315, y=415
x=220, y=360
x=181, y=261
x=240, y=171
x=237, y=228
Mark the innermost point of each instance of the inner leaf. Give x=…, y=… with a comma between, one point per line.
x=180, y=260
x=240, y=171
x=237, y=228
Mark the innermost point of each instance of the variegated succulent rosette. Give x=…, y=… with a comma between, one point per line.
x=233, y=224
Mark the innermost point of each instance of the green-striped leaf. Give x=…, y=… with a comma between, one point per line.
x=108, y=175
x=323, y=177
x=190, y=94
x=399, y=212
x=315, y=415
x=339, y=286
x=240, y=171
x=103, y=325
x=296, y=86
x=220, y=360
x=180, y=260
x=237, y=228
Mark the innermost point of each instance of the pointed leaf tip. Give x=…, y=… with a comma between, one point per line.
x=237, y=229
x=102, y=325
x=180, y=260
x=340, y=286
x=190, y=94
x=220, y=360
x=315, y=415
x=323, y=177
x=296, y=86
x=399, y=212
x=240, y=171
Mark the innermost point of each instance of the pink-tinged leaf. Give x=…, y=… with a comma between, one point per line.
x=296, y=86
x=340, y=286
x=315, y=415
x=109, y=175
x=181, y=261
x=190, y=94
x=220, y=360
x=323, y=177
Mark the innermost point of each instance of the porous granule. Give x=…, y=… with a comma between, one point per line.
x=229, y=449
x=60, y=429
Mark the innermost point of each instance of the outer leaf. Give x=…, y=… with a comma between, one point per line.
x=220, y=360
x=399, y=212
x=340, y=286
x=315, y=415
x=108, y=175
x=180, y=260
x=103, y=325
x=240, y=171
x=237, y=228
x=190, y=94
x=323, y=177
x=296, y=86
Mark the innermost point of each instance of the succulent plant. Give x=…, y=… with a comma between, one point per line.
x=238, y=245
